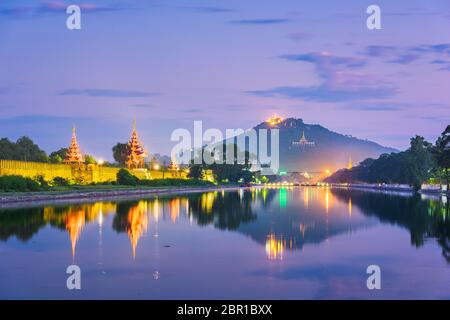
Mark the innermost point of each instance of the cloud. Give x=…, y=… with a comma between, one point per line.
x=338, y=83
x=406, y=55
x=143, y=105
x=111, y=93
x=206, y=9
x=299, y=36
x=324, y=60
x=193, y=110
x=3, y=90
x=324, y=93
x=376, y=106
x=260, y=21
x=47, y=7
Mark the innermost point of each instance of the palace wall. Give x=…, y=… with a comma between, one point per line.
x=81, y=173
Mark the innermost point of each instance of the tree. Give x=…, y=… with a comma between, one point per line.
x=23, y=149
x=58, y=156
x=89, y=159
x=441, y=153
x=120, y=153
x=124, y=177
x=420, y=162
x=195, y=171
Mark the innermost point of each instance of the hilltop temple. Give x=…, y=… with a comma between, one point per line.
x=136, y=153
x=303, y=142
x=73, y=155
x=274, y=120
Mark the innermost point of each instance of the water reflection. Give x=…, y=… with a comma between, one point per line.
x=281, y=220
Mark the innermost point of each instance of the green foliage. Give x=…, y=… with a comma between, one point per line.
x=43, y=184
x=58, y=156
x=120, y=152
x=18, y=184
x=23, y=149
x=237, y=170
x=60, y=182
x=124, y=177
x=88, y=159
x=195, y=171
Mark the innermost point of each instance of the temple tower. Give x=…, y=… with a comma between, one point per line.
x=136, y=153
x=73, y=155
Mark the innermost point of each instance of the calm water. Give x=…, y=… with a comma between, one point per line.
x=285, y=243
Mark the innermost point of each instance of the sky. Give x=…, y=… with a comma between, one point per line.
x=229, y=63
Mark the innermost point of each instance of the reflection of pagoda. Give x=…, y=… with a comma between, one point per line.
x=74, y=225
x=303, y=142
x=137, y=223
x=136, y=153
x=73, y=155
x=275, y=247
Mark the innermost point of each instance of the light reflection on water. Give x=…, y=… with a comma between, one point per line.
x=259, y=243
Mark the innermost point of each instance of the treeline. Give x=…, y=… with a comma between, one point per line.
x=422, y=162
x=24, y=149
x=236, y=171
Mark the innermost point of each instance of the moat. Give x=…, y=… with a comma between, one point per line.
x=282, y=243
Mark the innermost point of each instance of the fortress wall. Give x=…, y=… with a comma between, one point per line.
x=85, y=173
x=33, y=169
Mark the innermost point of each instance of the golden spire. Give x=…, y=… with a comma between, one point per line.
x=350, y=163
x=136, y=153
x=73, y=153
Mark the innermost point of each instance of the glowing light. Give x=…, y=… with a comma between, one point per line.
x=100, y=162
x=274, y=248
x=156, y=167
x=274, y=120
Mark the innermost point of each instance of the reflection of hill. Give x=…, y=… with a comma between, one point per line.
x=423, y=218
x=304, y=222
x=292, y=224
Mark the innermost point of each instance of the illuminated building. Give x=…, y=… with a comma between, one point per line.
x=136, y=153
x=73, y=155
x=274, y=120
x=303, y=142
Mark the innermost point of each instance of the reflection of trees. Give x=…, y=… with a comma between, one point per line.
x=423, y=218
x=22, y=223
x=226, y=210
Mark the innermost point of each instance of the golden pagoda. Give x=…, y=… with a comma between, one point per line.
x=136, y=153
x=73, y=155
x=274, y=120
x=303, y=141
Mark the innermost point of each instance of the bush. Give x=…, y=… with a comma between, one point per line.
x=124, y=177
x=18, y=184
x=60, y=182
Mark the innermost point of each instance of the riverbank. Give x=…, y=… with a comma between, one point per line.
x=400, y=188
x=51, y=197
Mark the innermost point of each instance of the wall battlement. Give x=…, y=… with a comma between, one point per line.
x=80, y=173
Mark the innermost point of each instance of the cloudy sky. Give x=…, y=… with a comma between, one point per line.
x=230, y=63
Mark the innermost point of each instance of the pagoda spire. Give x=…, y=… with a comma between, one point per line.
x=73, y=154
x=136, y=153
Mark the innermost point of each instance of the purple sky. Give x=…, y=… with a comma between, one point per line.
x=229, y=63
